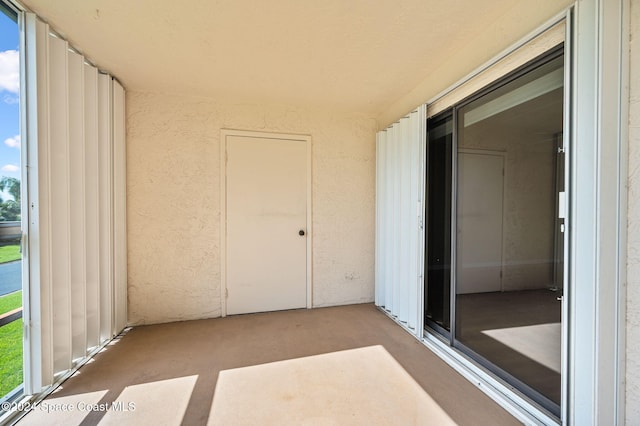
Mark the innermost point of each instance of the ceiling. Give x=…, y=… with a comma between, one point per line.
x=349, y=55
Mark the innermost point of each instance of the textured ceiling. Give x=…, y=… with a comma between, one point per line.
x=351, y=55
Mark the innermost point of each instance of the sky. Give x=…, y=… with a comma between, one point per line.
x=9, y=97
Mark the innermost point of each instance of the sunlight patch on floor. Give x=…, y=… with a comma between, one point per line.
x=359, y=386
x=540, y=342
x=162, y=402
x=157, y=403
x=65, y=410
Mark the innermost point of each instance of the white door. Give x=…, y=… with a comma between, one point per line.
x=480, y=197
x=266, y=224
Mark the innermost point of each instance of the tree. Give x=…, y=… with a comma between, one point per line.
x=12, y=186
x=10, y=209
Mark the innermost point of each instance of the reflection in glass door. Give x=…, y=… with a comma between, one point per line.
x=497, y=296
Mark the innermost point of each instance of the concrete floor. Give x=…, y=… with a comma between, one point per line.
x=174, y=368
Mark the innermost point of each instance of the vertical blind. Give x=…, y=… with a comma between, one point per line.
x=400, y=180
x=76, y=232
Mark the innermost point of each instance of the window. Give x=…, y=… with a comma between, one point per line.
x=11, y=329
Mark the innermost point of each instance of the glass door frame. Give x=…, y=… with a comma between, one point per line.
x=22, y=390
x=449, y=336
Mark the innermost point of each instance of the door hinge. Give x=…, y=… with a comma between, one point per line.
x=226, y=293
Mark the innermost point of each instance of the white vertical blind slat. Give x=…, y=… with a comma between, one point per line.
x=399, y=233
x=92, y=212
x=385, y=201
x=413, y=161
x=119, y=208
x=404, y=224
x=379, y=237
x=421, y=125
x=391, y=224
x=381, y=200
x=105, y=179
x=73, y=249
x=397, y=219
x=60, y=203
x=77, y=205
x=40, y=370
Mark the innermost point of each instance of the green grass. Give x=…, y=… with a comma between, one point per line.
x=10, y=345
x=10, y=301
x=10, y=357
x=10, y=253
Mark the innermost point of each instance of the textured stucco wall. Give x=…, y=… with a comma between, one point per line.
x=633, y=256
x=173, y=204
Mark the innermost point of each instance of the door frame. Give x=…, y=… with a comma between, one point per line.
x=224, y=133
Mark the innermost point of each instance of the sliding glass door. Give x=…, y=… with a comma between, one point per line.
x=494, y=267
x=11, y=294
x=438, y=236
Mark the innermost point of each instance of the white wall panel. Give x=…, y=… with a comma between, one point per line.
x=92, y=212
x=77, y=205
x=59, y=205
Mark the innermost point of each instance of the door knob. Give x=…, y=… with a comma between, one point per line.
x=301, y=232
